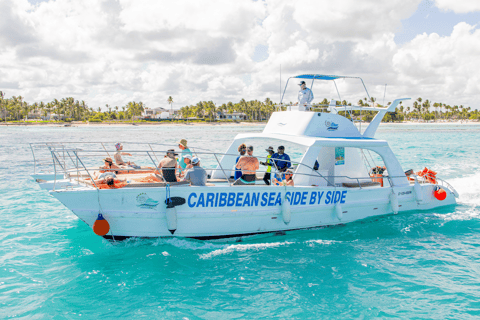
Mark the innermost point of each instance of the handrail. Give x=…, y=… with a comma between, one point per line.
x=80, y=166
x=226, y=177
x=76, y=154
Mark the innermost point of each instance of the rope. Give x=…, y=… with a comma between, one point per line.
x=366, y=162
x=374, y=164
x=168, y=199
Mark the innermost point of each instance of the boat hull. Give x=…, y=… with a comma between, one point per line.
x=215, y=212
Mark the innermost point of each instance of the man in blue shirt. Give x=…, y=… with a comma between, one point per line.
x=281, y=159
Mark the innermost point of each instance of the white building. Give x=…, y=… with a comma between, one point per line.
x=153, y=113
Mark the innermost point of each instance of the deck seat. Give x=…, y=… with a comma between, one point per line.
x=361, y=184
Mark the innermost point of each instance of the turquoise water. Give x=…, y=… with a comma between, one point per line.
x=410, y=265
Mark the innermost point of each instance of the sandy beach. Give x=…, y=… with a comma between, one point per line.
x=200, y=124
x=126, y=124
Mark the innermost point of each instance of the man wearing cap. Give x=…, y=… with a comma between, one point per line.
x=248, y=165
x=168, y=165
x=182, y=144
x=281, y=159
x=268, y=163
x=197, y=175
x=305, y=96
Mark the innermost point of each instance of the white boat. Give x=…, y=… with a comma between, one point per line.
x=341, y=190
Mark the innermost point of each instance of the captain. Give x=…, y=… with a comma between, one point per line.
x=305, y=96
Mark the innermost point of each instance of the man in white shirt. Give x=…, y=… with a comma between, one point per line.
x=305, y=96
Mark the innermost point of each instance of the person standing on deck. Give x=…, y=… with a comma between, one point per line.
x=305, y=96
x=268, y=163
x=248, y=165
x=281, y=159
x=182, y=144
x=242, y=149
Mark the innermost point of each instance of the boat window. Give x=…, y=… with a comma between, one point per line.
x=346, y=167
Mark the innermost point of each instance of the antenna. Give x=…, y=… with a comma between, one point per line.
x=384, y=94
x=280, y=91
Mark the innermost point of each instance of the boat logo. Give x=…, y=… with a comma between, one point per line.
x=144, y=201
x=331, y=126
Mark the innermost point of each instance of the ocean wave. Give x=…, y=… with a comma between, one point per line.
x=244, y=247
x=468, y=187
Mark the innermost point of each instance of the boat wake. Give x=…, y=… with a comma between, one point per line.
x=243, y=247
x=468, y=188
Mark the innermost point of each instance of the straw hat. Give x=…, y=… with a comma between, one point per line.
x=183, y=142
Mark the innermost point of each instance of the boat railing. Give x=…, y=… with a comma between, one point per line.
x=447, y=185
x=42, y=158
x=79, y=169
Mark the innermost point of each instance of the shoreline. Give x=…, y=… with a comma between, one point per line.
x=152, y=124
x=117, y=124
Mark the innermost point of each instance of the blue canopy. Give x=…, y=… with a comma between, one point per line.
x=318, y=77
x=322, y=77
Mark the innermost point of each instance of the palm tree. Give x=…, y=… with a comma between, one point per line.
x=170, y=102
x=84, y=109
x=3, y=102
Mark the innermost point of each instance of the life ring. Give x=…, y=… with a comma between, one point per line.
x=440, y=194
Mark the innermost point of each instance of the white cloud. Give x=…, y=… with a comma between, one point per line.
x=442, y=68
x=462, y=6
x=115, y=51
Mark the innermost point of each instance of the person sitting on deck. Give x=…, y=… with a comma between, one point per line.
x=168, y=166
x=196, y=175
x=187, y=160
x=281, y=159
x=109, y=166
x=249, y=165
x=119, y=160
x=288, y=181
x=242, y=149
x=108, y=179
x=182, y=144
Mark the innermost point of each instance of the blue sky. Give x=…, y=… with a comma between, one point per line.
x=428, y=18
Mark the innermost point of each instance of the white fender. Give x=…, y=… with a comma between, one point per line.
x=171, y=214
x=338, y=211
x=286, y=214
x=394, y=202
x=418, y=190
